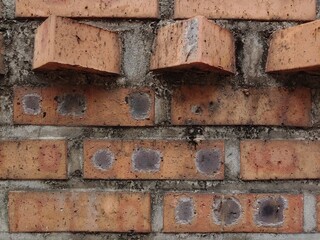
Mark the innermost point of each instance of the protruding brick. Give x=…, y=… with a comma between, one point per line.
x=200, y=213
x=33, y=159
x=61, y=43
x=80, y=106
x=79, y=211
x=296, y=10
x=280, y=159
x=295, y=49
x=194, y=43
x=222, y=105
x=88, y=8
x=153, y=159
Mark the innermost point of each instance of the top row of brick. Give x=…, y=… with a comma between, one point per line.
x=274, y=10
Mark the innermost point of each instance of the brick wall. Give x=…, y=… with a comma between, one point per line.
x=159, y=119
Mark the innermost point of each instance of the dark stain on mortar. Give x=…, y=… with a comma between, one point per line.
x=71, y=105
x=270, y=212
x=184, y=212
x=146, y=160
x=140, y=105
x=31, y=104
x=227, y=211
x=103, y=159
x=208, y=161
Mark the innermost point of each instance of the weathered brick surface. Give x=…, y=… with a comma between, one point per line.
x=2, y=46
x=61, y=43
x=78, y=106
x=153, y=159
x=33, y=159
x=300, y=10
x=187, y=212
x=79, y=211
x=222, y=105
x=279, y=159
x=194, y=43
x=88, y=8
x=295, y=49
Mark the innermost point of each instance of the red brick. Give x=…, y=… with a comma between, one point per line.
x=61, y=43
x=222, y=105
x=295, y=49
x=77, y=211
x=153, y=159
x=33, y=159
x=280, y=159
x=318, y=213
x=194, y=43
x=299, y=10
x=273, y=213
x=88, y=8
x=79, y=106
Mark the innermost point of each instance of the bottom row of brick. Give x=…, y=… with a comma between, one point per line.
x=91, y=211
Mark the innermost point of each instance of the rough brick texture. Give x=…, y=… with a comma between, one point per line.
x=195, y=43
x=153, y=160
x=33, y=159
x=77, y=105
x=280, y=159
x=220, y=105
x=295, y=49
x=297, y=10
x=2, y=66
x=61, y=43
x=88, y=8
x=233, y=213
x=79, y=212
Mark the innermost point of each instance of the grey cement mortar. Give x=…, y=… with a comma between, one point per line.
x=252, y=40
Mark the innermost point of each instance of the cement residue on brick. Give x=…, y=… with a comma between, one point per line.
x=103, y=159
x=140, y=105
x=191, y=38
x=184, y=212
x=146, y=160
x=227, y=211
x=270, y=211
x=31, y=104
x=208, y=161
x=71, y=105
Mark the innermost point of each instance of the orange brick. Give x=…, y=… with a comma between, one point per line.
x=194, y=43
x=295, y=49
x=222, y=105
x=78, y=106
x=299, y=10
x=33, y=159
x=280, y=159
x=273, y=213
x=79, y=212
x=61, y=43
x=153, y=159
x=88, y=8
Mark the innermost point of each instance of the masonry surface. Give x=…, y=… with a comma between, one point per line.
x=157, y=120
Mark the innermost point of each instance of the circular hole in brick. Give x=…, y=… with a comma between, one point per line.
x=227, y=211
x=140, y=105
x=146, y=160
x=184, y=212
x=103, y=159
x=31, y=104
x=270, y=211
x=208, y=161
x=71, y=105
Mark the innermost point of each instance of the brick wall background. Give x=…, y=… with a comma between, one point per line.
x=69, y=171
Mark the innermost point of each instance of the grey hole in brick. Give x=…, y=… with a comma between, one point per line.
x=226, y=211
x=184, y=212
x=146, y=160
x=196, y=110
x=103, y=159
x=71, y=105
x=270, y=211
x=208, y=161
x=140, y=105
x=31, y=104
